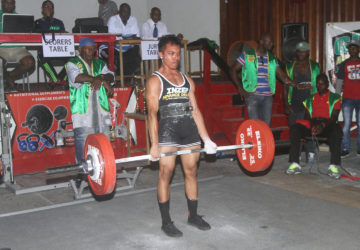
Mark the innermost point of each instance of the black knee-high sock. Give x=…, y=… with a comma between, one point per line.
x=164, y=211
x=192, y=207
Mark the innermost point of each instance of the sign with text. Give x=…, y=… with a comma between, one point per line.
x=58, y=46
x=149, y=50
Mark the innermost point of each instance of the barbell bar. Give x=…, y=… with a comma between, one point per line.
x=86, y=165
x=255, y=149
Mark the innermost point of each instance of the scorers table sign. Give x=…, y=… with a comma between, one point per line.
x=58, y=46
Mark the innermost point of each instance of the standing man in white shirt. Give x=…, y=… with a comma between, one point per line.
x=153, y=28
x=126, y=26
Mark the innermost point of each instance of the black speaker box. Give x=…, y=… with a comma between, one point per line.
x=89, y=25
x=292, y=34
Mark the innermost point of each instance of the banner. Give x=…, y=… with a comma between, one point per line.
x=149, y=50
x=337, y=37
x=43, y=134
x=58, y=45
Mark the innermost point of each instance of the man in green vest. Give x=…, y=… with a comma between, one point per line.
x=90, y=84
x=304, y=72
x=259, y=71
x=321, y=115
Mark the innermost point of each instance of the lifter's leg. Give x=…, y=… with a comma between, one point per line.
x=189, y=162
x=167, y=165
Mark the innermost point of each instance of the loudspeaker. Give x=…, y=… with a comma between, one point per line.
x=292, y=34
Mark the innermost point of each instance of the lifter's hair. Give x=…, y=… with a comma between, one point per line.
x=168, y=39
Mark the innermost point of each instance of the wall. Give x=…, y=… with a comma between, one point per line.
x=247, y=19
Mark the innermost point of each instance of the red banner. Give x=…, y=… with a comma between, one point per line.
x=43, y=135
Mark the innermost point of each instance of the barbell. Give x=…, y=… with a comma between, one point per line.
x=255, y=149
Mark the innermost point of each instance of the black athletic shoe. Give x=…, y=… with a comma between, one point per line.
x=199, y=222
x=345, y=153
x=170, y=230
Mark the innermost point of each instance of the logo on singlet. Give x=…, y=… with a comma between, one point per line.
x=176, y=92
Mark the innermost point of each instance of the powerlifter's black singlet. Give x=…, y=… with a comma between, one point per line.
x=176, y=127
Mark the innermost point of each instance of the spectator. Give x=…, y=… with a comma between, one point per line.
x=349, y=72
x=304, y=72
x=321, y=115
x=259, y=71
x=90, y=83
x=153, y=28
x=125, y=26
x=49, y=24
x=107, y=9
x=14, y=54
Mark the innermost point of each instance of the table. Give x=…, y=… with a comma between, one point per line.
x=35, y=39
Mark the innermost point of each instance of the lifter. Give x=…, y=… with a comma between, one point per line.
x=181, y=126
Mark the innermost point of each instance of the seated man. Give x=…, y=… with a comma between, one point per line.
x=90, y=83
x=321, y=115
x=107, y=9
x=14, y=54
x=49, y=24
x=125, y=25
x=153, y=28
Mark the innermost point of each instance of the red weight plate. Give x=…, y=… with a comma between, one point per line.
x=261, y=155
x=99, y=146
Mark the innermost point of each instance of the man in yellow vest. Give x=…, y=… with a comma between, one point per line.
x=90, y=83
x=321, y=115
x=259, y=71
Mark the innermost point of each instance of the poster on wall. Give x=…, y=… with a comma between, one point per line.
x=337, y=37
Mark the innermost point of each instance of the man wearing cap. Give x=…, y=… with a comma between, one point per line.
x=90, y=84
x=259, y=71
x=304, y=72
x=349, y=72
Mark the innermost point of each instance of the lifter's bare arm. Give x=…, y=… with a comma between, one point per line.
x=153, y=89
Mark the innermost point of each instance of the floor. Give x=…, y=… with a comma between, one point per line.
x=273, y=211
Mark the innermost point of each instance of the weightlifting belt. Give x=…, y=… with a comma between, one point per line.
x=175, y=109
